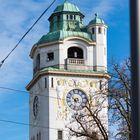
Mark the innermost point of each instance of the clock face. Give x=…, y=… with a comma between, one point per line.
x=35, y=106
x=76, y=99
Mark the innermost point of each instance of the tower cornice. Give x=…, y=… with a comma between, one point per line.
x=69, y=73
x=97, y=24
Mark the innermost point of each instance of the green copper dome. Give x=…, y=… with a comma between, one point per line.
x=66, y=7
x=66, y=21
x=61, y=35
x=97, y=20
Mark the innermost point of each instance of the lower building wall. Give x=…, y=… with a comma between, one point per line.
x=54, y=113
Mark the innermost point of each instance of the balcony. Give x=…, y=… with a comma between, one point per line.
x=73, y=63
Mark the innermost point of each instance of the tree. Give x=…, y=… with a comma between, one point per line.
x=120, y=99
x=90, y=122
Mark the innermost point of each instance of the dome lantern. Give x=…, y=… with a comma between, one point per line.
x=66, y=16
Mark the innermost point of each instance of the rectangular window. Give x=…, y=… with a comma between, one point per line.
x=50, y=56
x=45, y=82
x=52, y=82
x=60, y=135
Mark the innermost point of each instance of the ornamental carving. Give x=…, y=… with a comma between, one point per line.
x=77, y=83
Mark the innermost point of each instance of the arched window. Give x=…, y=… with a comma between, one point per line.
x=75, y=52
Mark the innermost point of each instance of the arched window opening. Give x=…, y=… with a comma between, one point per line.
x=75, y=52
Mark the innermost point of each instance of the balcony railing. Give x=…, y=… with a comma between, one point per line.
x=73, y=61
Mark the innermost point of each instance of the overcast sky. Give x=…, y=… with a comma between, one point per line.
x=15, y=18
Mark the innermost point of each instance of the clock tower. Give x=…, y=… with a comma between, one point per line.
x=69, y=64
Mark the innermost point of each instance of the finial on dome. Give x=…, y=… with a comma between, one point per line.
x=96, y=15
